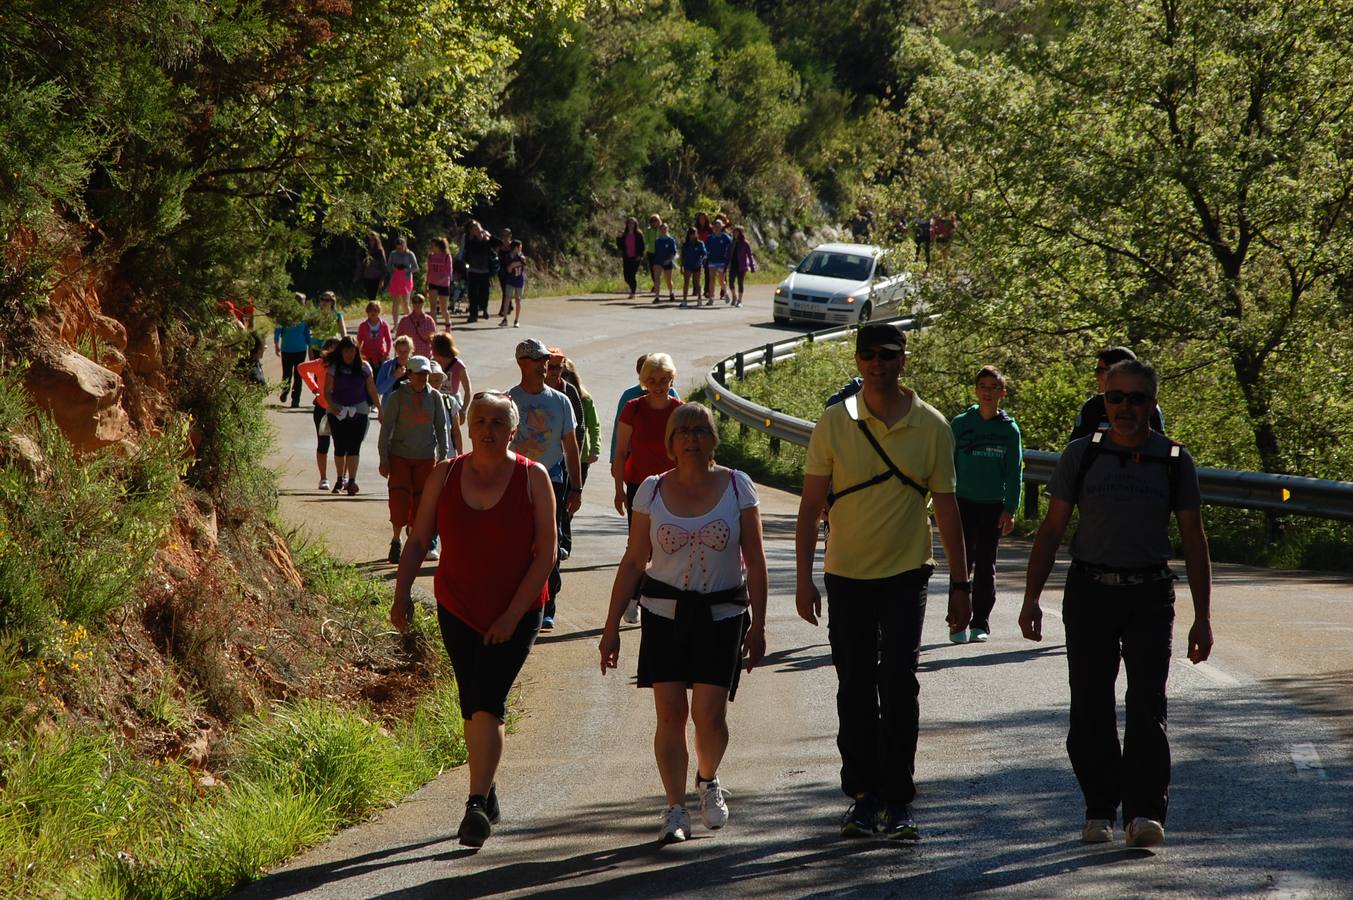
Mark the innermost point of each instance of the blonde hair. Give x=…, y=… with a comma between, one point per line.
x=403, y=341
x=657, y=362
x=685, y=415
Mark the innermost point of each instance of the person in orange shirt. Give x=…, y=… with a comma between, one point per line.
x=313, y=374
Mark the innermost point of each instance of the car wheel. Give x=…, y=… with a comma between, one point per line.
x=865, y=312
x=781, y=320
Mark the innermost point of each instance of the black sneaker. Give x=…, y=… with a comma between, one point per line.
x=491, y=805
x=898, y=823
x=475, y=827
x=861, y=818
x=395, y=549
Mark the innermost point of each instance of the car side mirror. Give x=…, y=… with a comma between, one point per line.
x=792, y=268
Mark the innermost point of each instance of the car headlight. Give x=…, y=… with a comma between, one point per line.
x=850, y=299
x=779, y=292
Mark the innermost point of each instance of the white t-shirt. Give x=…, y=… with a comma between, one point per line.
x=696, y=553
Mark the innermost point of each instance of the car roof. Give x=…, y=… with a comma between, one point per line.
x=857, y=249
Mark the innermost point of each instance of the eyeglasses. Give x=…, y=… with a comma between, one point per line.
x=696, y=431
x=1136, y=398
x=885, y=355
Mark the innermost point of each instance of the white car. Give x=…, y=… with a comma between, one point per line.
x=841, y=284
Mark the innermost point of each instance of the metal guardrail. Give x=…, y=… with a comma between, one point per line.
x=1289, y=494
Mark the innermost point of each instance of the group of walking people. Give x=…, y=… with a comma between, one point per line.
x=454, y=274
x=694, y=573
x=712, y=252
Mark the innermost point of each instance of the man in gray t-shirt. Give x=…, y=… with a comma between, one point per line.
x=1119, y=601
x=546, y=435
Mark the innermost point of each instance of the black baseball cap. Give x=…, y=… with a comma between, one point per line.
x=880, y=336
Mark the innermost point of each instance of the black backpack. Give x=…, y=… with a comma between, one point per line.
x=1096, y=447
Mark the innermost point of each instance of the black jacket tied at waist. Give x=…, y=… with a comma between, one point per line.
x=691, y=603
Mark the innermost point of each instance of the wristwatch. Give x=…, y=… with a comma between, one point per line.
x=960, y=586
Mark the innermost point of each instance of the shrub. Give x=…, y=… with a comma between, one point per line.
x=78, y=538
x=231, y=434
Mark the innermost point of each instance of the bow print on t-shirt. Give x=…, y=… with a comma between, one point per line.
x=713, y=535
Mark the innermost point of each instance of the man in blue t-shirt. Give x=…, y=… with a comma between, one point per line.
x=546, y=435
x=1119, y=601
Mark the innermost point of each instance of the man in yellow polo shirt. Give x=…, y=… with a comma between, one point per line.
x=877, y=568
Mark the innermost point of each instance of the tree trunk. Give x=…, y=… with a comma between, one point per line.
x=1249, y=370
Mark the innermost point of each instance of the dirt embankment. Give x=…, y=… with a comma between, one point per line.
x=229, y=618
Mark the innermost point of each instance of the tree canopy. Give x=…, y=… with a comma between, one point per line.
x=1177, y=175
x=198, y=141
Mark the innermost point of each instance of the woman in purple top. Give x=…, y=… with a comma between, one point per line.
x=744, y=261
x=631, y=244
x=350, y=394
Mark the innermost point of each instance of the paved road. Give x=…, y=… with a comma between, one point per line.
x=1263, y=780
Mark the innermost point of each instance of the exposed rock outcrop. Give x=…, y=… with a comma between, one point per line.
x=83, y=397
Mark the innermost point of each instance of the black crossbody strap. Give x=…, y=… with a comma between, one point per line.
x=893, y=470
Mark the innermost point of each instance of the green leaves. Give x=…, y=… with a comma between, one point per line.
x=1172, y=175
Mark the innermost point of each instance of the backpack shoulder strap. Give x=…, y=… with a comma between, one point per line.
x=1172, y=472
x=1091, y=451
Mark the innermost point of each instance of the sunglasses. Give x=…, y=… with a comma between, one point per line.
x=697, y=431
x=1136, y=398
x=885, y=355
x=1100, y=370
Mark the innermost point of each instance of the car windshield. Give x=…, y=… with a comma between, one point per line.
x=836, y=265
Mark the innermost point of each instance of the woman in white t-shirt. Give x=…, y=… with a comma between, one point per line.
x=695, y=544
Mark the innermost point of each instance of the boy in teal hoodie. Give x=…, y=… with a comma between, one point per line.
x=988, y=462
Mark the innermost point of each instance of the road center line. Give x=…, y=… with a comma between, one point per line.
x=1213, y=674
x=1306, y=759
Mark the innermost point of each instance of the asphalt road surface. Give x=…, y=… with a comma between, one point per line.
x=1262, y=793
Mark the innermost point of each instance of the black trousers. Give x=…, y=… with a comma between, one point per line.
x=981, y=534
x=874, y=626
x=290, y=360
x=478, y=286
x=1103, y=624
x=630, y=267
x=565, y=518
x=560, y=510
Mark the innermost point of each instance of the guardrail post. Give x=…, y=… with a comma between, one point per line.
x=1030, y=500
x=775, y=441
x=722, y=370
x=739, y=365
x=809, y=338
x=768, y=357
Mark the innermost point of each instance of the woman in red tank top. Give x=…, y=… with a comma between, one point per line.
x=490, y=582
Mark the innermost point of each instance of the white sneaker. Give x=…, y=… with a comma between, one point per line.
x=676, y=825
x=632, y=611
x=324, y=484
x=434, y=553
x=1143, y=832
x=713, y=806
x=1097, y=831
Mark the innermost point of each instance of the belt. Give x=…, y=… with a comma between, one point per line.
x=1116, y=577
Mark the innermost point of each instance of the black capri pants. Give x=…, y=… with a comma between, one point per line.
x=485, y=674
x=319, y=414
x=348, y=434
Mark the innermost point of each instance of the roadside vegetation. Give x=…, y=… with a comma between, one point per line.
x=1044, y=398
x=185, y=703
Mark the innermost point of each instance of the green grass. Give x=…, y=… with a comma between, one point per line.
x=80, y=816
